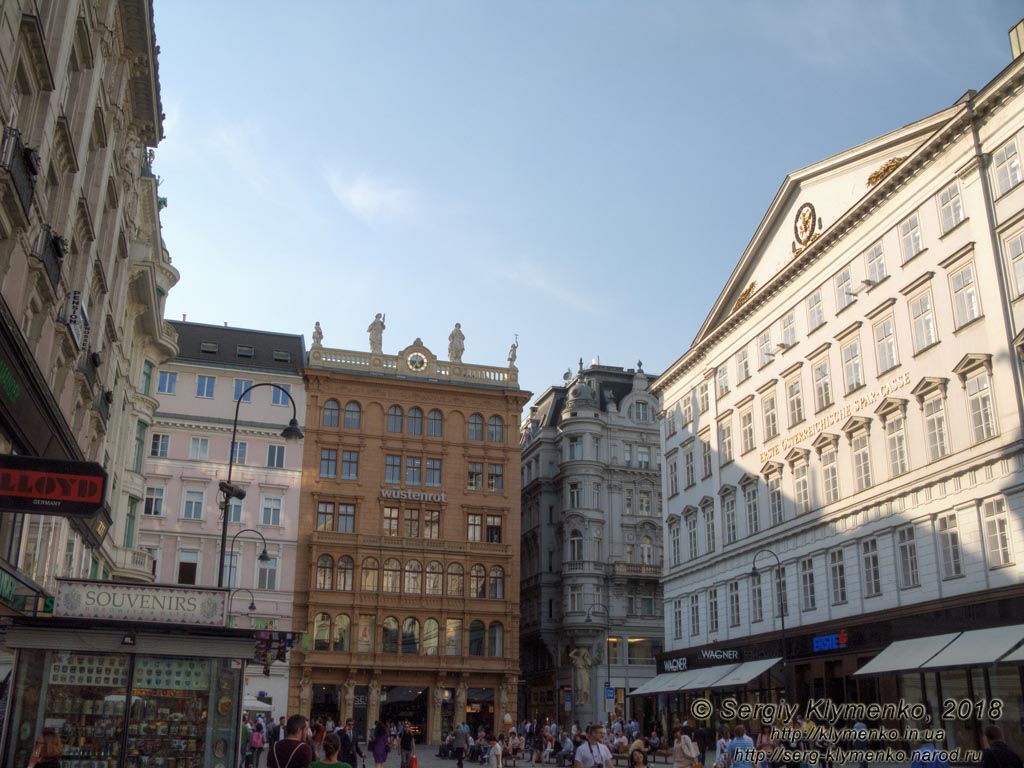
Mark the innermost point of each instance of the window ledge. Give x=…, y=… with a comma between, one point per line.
x=954, y=228
x=968, y=324
x=1001, y=566
x=890, y=369
x=872, y=597
x=878, y=283
x=915, y=256
x=906, y=587
x=189, y=519
x=854, y=389
x=1008, y=190
x=839, y=602
x=845, y=307
x=824, y=407
x=954, y=578
x=922, y=350
x=811, y=332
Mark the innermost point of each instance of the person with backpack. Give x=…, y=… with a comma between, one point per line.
x=256, y=743
x=292, y=751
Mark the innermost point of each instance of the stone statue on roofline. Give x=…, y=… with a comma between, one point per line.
x=376, y=331
x=456, y=344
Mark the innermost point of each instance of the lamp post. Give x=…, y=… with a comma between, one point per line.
x=252, y=598
x=263, y=557
x=782, y=610
x=230, y=491
x=607, y=659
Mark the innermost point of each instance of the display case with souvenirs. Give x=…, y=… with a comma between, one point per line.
x=183, y=711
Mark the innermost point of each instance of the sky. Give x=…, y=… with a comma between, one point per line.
x=585, y=174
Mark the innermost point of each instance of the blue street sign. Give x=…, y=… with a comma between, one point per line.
x=568, y=697
x=609, y=694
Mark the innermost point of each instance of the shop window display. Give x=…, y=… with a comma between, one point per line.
x=183, y=711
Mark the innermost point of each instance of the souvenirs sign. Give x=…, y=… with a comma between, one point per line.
x=51, y=487
x=141, y=602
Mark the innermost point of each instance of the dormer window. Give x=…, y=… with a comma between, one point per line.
x=209, y=347
x=244, y=350
x=281, y=356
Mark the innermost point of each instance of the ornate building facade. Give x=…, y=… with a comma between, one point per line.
x=218, y=370
x=591, y=547
x=408, y=563
x=83, y=275
x=853, y=405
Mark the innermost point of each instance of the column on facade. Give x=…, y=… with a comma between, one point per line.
x=434, y=717
x=373, y=704
x=348, y=700
x=461, y=698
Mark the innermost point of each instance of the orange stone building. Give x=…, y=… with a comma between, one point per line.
x=408, y=552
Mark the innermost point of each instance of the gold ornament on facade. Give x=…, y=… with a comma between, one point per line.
x=745, y=296
x=884, y=170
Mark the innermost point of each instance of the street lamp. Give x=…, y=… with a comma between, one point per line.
x=607, y=658
x=252, y=597
x=230, y=491
x=782, y=609
x=263, y=557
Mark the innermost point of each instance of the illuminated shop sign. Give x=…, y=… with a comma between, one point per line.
x=704, y=657
x=51, y=487
x=836, y=642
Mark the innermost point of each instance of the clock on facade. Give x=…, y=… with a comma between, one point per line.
x=417, y=361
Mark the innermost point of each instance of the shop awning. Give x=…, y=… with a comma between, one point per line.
x=978, y=646
x=745, y=672
x=1017, y=656
x=254, y=705
x=705, y=678
x=663, y=683
x=907, y=654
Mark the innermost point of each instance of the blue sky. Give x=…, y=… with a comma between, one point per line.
x=584, y=174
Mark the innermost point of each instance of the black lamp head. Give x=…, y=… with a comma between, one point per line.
x=264, y=557
x=293, y=431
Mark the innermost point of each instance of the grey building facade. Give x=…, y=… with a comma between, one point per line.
x=591, y=545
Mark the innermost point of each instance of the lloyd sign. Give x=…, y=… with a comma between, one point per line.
x=51, y=487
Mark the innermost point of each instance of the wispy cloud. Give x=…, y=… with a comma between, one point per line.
x=538, y=279
x=371, y=198
x=246, y=150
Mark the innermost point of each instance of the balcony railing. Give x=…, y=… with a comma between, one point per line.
x=134, y=564
x=635, y=569
x=582, y=566
x=50, y=251
x=22, y=164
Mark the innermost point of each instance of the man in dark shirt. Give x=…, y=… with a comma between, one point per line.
x=998, y=753
x=292, y=751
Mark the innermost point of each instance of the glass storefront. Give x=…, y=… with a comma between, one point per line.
x=405, y=704
x=114, y=710
x=480, y=710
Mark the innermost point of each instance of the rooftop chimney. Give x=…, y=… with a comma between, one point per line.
x=184, y=317
x=1017, y=39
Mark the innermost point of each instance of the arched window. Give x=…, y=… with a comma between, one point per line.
x=476, y=427
x=430, y=637
x=455, y=580
x=345, y=568
x=414, y=423
x=476, y=638
x=395, y=419
x=369, y=571
x=389, y=635
x=413, y=578
x=646, y=550
x=322, y=632
x=477, y=581
x=496, y=639
x=342, y=633
x=435, y=424
x=392, y=575
x=495, y=429
x=575, y=546
x=324, y=572
x=434, y=573
x=410, y=636
x=496, y=583
x=353, y=415
x=331, y=411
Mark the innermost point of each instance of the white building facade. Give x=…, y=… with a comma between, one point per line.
x=853, y=404
x=591, y=548
x=187, y=453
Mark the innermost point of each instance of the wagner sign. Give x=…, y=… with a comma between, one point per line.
x=51, y=487
x=412, y=496
x=141, y=602
x=703, y=658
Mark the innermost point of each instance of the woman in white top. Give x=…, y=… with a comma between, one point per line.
x=722, y=750
x=684, y=751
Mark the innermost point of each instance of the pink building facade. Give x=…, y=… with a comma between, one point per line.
x=187, y=456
